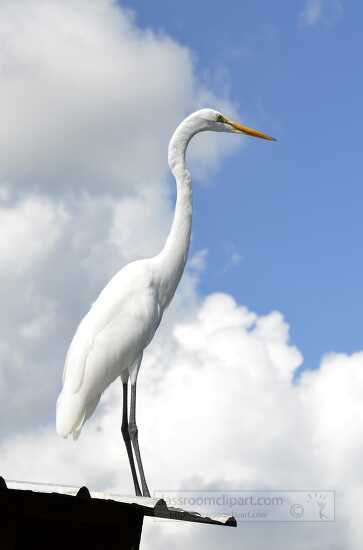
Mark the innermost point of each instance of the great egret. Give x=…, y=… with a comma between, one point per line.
x=111, y=338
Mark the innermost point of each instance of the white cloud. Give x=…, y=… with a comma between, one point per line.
x=89, y=101
x=312, y=13
x=29, y=230
x=221, y=411
x=317, y=11
x=198, y=261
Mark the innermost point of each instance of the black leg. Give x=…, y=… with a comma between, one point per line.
x=126, y=436
x=135, y=442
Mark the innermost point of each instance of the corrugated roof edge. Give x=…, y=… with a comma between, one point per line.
x=151, y=507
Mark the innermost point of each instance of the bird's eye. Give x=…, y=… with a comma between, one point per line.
x=220, y=118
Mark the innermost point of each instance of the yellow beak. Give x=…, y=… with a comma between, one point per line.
x=249, y=131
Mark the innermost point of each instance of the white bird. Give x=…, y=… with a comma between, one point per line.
x=112, y=337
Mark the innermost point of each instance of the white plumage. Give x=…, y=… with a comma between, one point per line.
x=111, y=338
x=108, y=342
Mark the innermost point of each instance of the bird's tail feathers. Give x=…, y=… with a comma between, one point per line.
x=71, y=415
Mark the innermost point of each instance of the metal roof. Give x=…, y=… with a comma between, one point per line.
x=152, y=507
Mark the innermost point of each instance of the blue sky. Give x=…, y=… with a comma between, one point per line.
x=291, y=210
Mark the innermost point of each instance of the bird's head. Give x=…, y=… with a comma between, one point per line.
x=214, y=121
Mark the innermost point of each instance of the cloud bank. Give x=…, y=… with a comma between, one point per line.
x=88, y=103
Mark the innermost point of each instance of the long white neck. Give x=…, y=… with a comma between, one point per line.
x=173, y=256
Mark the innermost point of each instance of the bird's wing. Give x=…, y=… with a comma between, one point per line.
x=119, y=325
x=77, y=353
